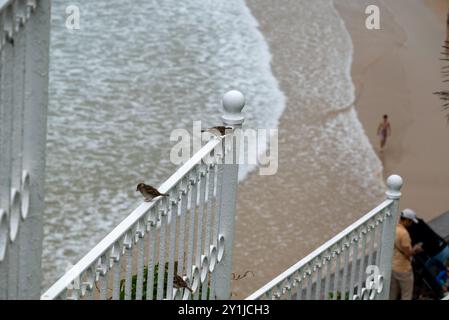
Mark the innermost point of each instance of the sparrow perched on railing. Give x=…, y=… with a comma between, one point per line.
x=149, y=192
x=221, y=129
x=178, y=283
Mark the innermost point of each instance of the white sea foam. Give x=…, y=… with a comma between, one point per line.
x=137, y=70
x=134, y=72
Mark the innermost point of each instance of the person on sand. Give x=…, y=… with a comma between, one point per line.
x=384, y=131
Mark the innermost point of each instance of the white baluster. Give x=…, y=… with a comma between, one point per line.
x=337, y=272
x=361, y=280
x=182, y=224
x=379, y=237
x=216, y=228
x=371, y=240
x=394, y=184
x=300, y=282
x=6, y=105
x=116, y=269
x=162, y=249
x=141, y=228
x=34, y=135
x=233, y=103
x=102, y=276
x=193, y=181
x=199, y=237
x=173, y=217
x=344, y=280
x=128, y=246
x=207, y=242
x=309, y=278
x=355, y=254
x=318, y=279
x=153, y=220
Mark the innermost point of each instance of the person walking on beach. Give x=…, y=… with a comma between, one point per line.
x=402, y=272
x=384, y=131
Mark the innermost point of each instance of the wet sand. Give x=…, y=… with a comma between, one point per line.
x=284, y=217
x=325, y=181
x=396, y=70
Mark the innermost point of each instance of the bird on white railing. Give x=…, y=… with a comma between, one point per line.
x=218, y=129
x=149, y=192
x=179, y=282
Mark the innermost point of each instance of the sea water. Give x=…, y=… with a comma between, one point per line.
x=136, y=70
x=133, y=72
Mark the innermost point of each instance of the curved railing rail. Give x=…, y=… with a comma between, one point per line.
x=189, y=233
x=339, y=269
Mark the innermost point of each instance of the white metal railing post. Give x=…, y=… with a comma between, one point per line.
x=394, y=184
x=233, y=103
x=34, y=146
x=24, y=55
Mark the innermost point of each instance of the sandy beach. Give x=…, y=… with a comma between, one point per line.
x=394, y=71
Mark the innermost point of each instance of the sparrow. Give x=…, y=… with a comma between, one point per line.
x=221, y=129
x=149, y=192
x=178, y=283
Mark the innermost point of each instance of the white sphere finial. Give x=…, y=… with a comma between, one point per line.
x=233, y=103
x=394, y=184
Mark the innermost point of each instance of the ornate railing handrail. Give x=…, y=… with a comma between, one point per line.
x=319, y=251
x=118, y=232
x=193, y=229
x=309, y=269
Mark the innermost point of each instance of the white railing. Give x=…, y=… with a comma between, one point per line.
x=24, y=52
x=338, y=269
x=189, y=233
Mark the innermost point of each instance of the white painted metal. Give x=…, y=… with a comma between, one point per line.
x=24, y=56
x=156, y=222
x=347, y=247
x=328, y=276
x=318, y=279
x=162, y=251
x=385, y=212
x=393, y=193
x=362, y=263
x=153, y=220
x=216, y=228
x=233, y=103
x=300, y=284
x=355, y=254
x=140, y=258
x=116, y=279
x=207, y=243
x=193, y=182
x=337, y=258
x=199, y=224
x=182, y=225
x=172, y=246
